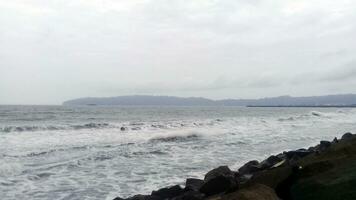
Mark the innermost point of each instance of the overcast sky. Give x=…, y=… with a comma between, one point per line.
x=55, y=50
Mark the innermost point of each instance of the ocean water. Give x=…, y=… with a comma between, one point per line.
x=62, y=152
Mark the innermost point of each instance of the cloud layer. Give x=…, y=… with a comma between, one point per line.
x=56, y=50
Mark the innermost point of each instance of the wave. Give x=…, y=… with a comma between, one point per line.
x=315, y=114
x=174, y=137
x=8, y=129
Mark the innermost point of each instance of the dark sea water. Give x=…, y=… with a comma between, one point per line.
x=61, y=152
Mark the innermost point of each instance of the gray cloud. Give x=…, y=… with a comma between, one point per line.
x=55, y=50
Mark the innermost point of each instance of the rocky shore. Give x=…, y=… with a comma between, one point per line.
x=325, y=171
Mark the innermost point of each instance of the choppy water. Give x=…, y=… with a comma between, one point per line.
x=58, y=152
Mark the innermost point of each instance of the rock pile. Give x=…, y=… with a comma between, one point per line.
x=295, y=174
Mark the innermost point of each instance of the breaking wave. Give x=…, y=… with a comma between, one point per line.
x=8, y=129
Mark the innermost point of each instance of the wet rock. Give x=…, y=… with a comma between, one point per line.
x=122, y=128
x=219, y=184
x=222, y=170
x=255, y=192
x=272, y=177
x=190, y=195
x=270, y=162
x=193, y=184
x=219, y=180
x=300, y=153
x=324, y=145
x=347, y=136
x=167, y=193
x=250, y=167
x=143, y=197
x=335, y=140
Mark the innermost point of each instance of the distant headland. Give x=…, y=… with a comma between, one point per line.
x=342, y=100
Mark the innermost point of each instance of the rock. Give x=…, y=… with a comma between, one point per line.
x=122, y=128
x=222, y=170
x=250, y=167
x=218, y=180
x=270, y=162
x=324, y=145
x=335, y=140
x=190, y=195
x=143, y=197
x=118, y=198
x=193, y=184
x=219, y=184
x=169, y=192
x=300, y=153
x=272, y=177
x=347, y=136
x=255, y=192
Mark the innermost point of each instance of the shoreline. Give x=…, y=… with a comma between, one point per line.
x=324, y=171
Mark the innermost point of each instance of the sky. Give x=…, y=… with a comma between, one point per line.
x=55, y=50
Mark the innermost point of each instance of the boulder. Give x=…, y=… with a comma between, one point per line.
x=169, y=192
x=222, y=170
x=193, y=184
x=254, y=192
x=122, y=128
x=250, y=167
x=190, y=195
x=270, y=162
x=347, y=136
x=219, y=180
x=143, y=197
x=324, y=145
x=272, y=177
x=300, y=153
x=219, y=184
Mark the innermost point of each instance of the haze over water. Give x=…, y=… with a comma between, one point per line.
x=62, y=152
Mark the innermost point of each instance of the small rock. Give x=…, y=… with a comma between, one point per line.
x=335, y=140
x=122, y=128
x=169, y=192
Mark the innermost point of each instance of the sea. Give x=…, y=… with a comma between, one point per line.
x=101, y=152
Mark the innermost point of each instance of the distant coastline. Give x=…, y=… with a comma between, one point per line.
x=342, y=100
x=303, y=106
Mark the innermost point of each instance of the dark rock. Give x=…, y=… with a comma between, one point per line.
x=347, y=136
x=250, y=167
x=335, y=140
x=143, y=197
x=190, y=195
x=222, y=170
x=272, y=177
x=193, y=184
x=118, y=198
x=122, y=128
x=300, y=153
x=169, y=192
x=324, y=145
x=270, y=162
x=218, y=180
x=219, y=184
x=254, y=192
